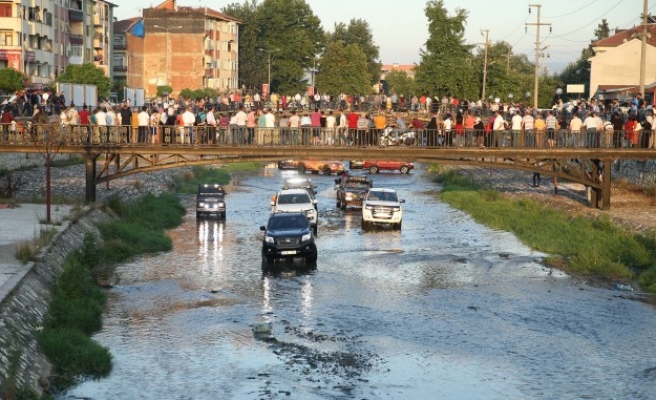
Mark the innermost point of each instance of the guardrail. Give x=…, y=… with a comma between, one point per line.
x=91, y=135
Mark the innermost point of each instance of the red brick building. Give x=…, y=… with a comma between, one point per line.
x=183, y=47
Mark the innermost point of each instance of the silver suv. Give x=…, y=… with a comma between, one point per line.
x=295, y=200
x=382, y=206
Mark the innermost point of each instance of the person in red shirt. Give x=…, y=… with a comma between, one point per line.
x=7, y=118
x=84, y=120
x=352, y=118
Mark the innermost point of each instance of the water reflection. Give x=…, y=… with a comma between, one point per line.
x=210, y=244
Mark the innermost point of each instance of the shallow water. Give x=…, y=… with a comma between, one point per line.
x=446, y=308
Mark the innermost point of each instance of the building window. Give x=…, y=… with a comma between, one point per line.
x=119, y=40
x=6, y=38
x=5, y=9
x=76, y=50
x=48, y=19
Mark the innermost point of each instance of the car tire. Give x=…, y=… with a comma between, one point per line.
x=326, y=171
x=223, y=216
x=301, y=168
x=365, y=225
x=267, y=262
x=311, y=259
x=404, y=169
x=315, y=230
x=373, y=170
x=343, y=206
x=198, y=215
x=398, y=226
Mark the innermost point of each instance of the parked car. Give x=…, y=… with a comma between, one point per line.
x=288, y=235
x=351, y=190
x=295, y=200
x=356, y=164
x=315, y=166
x=376, y=166
x=288, y=164
x=302, y=183
x=382, y=206
x=210, y=200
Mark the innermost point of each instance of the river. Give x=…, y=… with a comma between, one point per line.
x=444, y=309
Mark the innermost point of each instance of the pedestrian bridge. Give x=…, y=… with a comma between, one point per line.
x=110, y=154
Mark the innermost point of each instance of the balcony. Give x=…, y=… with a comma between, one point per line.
x=120, y=68
x=75, y=15
x=97, y=43
x=76, y=39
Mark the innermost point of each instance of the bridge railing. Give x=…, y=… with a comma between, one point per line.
x=87, y=135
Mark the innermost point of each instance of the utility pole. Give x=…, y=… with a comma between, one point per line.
x=643, y=48
x=537, y=24
x=487, y=32
x=544, y=57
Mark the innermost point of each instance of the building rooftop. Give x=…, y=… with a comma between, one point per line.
x=624, y=35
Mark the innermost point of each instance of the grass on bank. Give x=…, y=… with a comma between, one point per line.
x=188, y=182
x=75, y=311
x=590, y=246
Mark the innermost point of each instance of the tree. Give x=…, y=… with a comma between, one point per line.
x=602, y=31
x=446, y=61
x=283, y=31
x=358, y=33
x=164, y=89
x=343, y=70
x=399, y=82
x=11, y=80
x=87, y=74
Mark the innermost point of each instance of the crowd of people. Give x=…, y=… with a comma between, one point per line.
x=247, y=120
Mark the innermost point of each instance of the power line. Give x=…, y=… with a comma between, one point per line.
x=591, y=22
x=515, y=30
x=573, y=12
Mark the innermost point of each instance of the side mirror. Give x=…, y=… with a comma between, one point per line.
x=263, y=228
x=315, y=201
x=273, y=203
x=338, y=181
x=402, y=201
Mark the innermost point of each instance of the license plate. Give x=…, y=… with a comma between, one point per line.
x=288, y=252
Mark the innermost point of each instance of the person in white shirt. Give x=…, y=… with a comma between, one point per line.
x=240, y=120
x=498, y=129
x=210, y=119
x=294, y=124
x=189, y=119
x=528, y=124
x=516, y=128
x=101, y=121
x=144, y=120
x=342, y=129
x=331, y=122
x=575, y=126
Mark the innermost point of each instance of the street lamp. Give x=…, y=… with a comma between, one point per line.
x=269, y=54
x=168, y=45
x=510, y=97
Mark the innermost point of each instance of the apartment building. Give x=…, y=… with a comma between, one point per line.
x=41, y=37
x=183, y=47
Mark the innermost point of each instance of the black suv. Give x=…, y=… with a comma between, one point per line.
x=210, y=200
x=288, y=235
x=351, y=190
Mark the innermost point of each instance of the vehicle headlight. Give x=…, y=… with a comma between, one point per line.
x=348, y=196
x=201, y=204
x=306, y=237
x=369, y=207
x=396, y=209
x=311, y=211
x=221, y=204
x=268, y=239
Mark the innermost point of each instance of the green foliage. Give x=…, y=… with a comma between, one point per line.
x=87, y=74
x=446, y=62
x=196, y=94
x=400, y=83
x=188, y=183
x=164, y=89
x=288, y=31
x=358, y=33
x=74, y=354
x=11, y=80
x=61, y=162
x=140, y=230
x=592, y=245
x=344, y=70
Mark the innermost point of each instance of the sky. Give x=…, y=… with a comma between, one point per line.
x=400, y=28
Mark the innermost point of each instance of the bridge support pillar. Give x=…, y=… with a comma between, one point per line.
x=600, y=197
x=91, y=177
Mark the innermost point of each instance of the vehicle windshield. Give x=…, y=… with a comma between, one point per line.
x=297, y=198
x=383, y=196
x=358, y=185
x=211, y=190
x=279, y=222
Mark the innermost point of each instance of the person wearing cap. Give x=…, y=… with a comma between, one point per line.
x=479, y=129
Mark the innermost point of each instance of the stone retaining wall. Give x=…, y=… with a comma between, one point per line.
x=640, y=173
x=23, y=310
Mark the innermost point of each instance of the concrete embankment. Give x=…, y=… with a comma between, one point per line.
x=23, y=308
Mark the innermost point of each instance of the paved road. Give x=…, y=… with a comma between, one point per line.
x=18, y=225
